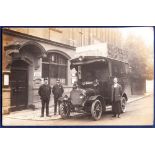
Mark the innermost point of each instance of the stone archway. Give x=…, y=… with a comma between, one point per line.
x=59, y=52
x=24, y=61
x=34, y=51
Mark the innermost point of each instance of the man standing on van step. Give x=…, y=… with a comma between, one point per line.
x=44, y=93
x=57, y=92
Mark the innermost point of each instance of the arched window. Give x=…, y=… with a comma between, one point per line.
x=54, y=66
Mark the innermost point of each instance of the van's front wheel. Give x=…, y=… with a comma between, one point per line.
x=64, y=110
x=96, y=110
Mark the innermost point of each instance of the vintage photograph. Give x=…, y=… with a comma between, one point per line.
x=77, y=76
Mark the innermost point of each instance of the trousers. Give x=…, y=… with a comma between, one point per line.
x=45, y=103
x=56, y=104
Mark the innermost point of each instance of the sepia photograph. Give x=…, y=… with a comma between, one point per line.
x=77, y=76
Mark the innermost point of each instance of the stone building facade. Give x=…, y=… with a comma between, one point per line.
x=29, y=59
x=31, y=54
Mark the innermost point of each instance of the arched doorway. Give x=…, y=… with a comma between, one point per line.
x=19, y=85
x=24, y=60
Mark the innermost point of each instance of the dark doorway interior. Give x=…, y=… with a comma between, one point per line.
x=19, y=85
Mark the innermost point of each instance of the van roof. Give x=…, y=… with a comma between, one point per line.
x=91, y=59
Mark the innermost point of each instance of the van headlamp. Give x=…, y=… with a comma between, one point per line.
x=81, y=58
x=65, y=97
x=82, y=96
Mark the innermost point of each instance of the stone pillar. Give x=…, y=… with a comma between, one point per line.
x=6, y=98
x=37, y=81
x=69, y=77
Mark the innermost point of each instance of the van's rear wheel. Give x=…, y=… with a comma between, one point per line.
x=96, y=110
x=123, y=104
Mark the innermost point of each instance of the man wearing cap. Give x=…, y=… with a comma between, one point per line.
x=44, y=93
x=57, y=92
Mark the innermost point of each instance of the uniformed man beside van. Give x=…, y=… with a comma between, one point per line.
x=57, y=90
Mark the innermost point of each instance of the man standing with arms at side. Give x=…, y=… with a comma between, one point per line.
x=44, y=93
x=57, y=92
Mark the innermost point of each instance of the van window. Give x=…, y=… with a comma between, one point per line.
x=118, y=69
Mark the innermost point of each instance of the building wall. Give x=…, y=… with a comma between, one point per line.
x=138, y=86
x=6, y=91
x=76, y=36
x=6, y=101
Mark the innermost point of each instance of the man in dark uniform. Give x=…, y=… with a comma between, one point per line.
x=57, y=92
x=44, y=93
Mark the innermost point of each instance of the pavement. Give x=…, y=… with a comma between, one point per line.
x=35, y=114
x=134, y=98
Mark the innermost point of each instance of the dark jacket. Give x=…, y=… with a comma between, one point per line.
x=57, y=90
x=118, y=93
x=44, y=92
